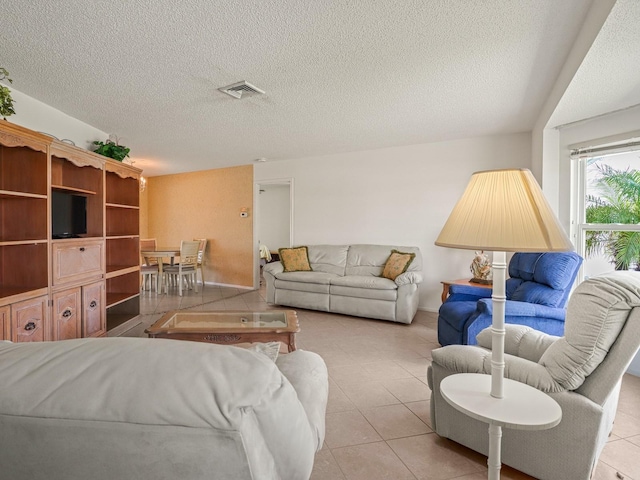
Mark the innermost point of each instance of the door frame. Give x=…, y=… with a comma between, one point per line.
x=256, y=216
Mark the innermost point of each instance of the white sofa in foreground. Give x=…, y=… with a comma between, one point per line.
x=135, y=408
x=346, y=279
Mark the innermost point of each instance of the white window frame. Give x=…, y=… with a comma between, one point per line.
x=579, y=156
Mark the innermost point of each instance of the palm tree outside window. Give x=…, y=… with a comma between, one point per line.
x=608, y=212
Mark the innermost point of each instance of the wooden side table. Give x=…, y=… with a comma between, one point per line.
x=463, y=281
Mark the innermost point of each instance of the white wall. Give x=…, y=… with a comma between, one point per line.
x=38, y=116
x=397, y=196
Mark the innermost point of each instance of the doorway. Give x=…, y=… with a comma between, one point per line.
x=273, y=220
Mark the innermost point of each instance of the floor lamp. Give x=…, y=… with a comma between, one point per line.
x=502, y=211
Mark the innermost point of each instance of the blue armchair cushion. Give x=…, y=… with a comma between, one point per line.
x=532, y=292
x=552, y=269
x=542, y=278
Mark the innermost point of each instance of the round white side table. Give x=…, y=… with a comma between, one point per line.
x=522, y=408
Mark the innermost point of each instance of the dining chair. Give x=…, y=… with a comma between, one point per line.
x=150, y=274
x=148, y=244
x=202, y=246
x=149, y=266
x=185, y=271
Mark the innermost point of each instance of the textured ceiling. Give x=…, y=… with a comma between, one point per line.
x=339, y=76
x=609, y=77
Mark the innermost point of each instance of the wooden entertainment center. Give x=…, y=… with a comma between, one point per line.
x=61, y=288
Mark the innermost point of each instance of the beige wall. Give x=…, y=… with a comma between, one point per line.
x=205, y=204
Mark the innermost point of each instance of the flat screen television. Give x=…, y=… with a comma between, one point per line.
x=68, y=215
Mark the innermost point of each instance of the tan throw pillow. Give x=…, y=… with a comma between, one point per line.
x=397, y=263
x=295, y=259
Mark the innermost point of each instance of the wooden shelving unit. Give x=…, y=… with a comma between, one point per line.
x=122, y=234
x=24, y=234
x=53, y=289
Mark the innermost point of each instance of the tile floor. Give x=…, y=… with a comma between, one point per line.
x=378, y=410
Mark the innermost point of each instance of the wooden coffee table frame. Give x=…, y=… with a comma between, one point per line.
x=228, y=335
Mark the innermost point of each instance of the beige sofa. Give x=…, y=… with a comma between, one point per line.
x=135, y=408
x=346, y=279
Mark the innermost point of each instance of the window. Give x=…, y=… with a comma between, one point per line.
x=606, y=211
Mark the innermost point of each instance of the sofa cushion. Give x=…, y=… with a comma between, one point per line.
x=371, y=259
x=307, y=277
x=369, y=293
x=328, y=258
x=549, y=268
x=365, y=281
x=295, y=259
x=533, y=292
x=397, y=264
x=361, y=286
x=284, y=285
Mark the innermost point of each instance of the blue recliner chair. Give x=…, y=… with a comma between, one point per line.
x=537, y=293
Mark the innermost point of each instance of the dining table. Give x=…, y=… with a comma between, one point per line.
x=160, y=253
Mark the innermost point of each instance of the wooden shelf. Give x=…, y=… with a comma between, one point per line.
x=62, y=188
x=122, y=222
x=9, y=295
x=122, y=191
x=24, y=242
x=118, y=270
x=116, y=298
x=14, y=276
x=23, y=170
x=12, y=194
x=118, y=205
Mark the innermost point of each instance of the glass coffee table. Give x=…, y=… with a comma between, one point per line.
x=228, y=326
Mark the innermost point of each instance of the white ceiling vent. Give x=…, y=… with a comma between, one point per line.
x=241, y=90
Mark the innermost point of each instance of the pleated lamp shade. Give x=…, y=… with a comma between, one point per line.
x=504, y=210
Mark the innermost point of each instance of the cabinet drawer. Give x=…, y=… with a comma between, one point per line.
x=29, y=320
x=67, y=314
x=77, y=260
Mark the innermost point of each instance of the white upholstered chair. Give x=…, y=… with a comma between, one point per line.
x=582, y=371
x=185, y=271
x=149, y=266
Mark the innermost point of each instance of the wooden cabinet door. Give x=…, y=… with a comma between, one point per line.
x=93, y=312
x=5, y=333
x=75, y=260
x=30, y=320
x=67, y=314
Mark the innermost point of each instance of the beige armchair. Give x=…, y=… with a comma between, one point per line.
x=582, y=371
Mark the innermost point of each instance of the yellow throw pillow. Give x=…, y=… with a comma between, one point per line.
x=397, y=263
x=295, y=259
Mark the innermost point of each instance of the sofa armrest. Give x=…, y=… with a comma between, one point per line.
x=408, y=277
x=521, y=341
x=273, y=268
x=513, y=308
x=479, y=292
x=307, y=373
x=471, y=359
